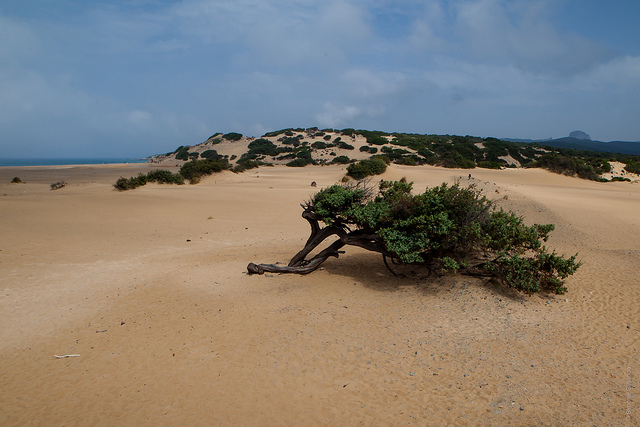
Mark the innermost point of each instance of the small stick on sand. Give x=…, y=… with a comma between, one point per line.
x=66, y=355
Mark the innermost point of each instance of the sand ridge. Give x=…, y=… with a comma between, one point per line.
x=149, y=287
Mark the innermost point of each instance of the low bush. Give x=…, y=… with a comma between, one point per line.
x=210, y=154
x=345, y=146
x=319, y=145
x=298, y=163
x=633, y=167
x=368, y=167
x=160, y=176
x=16, y=180
x=163, y=176
x=232, y=136
x=245, y=165
x=182, y=153
x=341, y=160
x=196, y=169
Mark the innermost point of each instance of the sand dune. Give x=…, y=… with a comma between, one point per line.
x=149, y=288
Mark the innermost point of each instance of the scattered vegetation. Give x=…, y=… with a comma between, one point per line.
x=451, y=151
x=16, y=180
x=448, y=229
x=633, y=166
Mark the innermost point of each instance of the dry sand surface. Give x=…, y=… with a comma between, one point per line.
x=148, y=288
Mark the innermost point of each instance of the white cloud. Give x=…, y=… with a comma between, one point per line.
x=338, y=115
x=520, y=33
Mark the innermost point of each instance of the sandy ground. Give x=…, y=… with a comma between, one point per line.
x=149, y=288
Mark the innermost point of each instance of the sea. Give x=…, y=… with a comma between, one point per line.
x=68, y=161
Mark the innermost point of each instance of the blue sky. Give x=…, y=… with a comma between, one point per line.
x=140, y=77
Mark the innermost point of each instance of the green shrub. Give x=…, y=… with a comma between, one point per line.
x=345, y=146
x=368, y=167
x=620, y=179
x=633, y=167
x=319, y=145
x=232, y=136
x=16, y=180
x=196, y=169
x=448, y=228
x=298, y=163
x=123, y=184
x=163, y=176
x=341, y=160
x=210, y=154
x=295, y=141
x=262, y=146
x=182, y=153
x=242, y=166
x=159, y=176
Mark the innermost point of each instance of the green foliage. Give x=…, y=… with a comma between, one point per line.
x=571, y=165
x=196, y=169
x=163, y=176
x=245, y=165
x=182, y=153
x=449, y=228
x=633, y=167
x=232, y=136
x=159, y=176
x=298, y=163
x=295, y=141
x=303, y=158
x=345, y=146
x=620, y=179
x=319, y=145
x=368, y=167
x=342, y=160
x=210, y=154
x=276, y=133
x=16, y=180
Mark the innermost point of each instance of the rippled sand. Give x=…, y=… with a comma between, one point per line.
x=149, y=288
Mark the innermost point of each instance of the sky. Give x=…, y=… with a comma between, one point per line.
x=133, y=78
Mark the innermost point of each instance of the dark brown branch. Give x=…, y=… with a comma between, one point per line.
x=318, y=235
x=304, y=267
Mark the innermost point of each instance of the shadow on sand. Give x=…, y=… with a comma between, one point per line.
x=368, y=269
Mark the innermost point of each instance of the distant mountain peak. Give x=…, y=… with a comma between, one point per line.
x=578, y=134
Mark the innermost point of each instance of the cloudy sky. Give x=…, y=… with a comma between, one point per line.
x=131, y=78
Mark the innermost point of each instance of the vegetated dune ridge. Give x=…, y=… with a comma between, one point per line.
x=149, y=288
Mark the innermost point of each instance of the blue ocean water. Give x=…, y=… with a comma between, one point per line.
x=67, y=161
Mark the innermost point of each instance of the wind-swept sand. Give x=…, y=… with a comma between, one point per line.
x=149, y=288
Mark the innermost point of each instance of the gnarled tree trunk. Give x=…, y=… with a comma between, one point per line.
x=300, y=265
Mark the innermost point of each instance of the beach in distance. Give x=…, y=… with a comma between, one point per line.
x=135, y=308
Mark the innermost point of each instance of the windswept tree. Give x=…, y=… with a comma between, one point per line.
x=448, y=229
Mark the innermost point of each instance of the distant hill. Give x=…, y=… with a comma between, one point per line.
x=579, y=140
x=312, y=146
